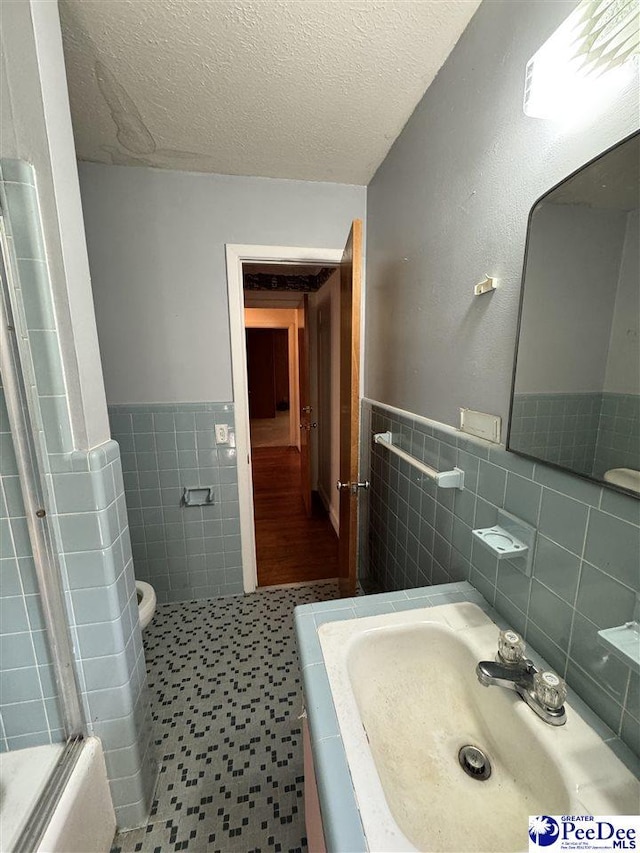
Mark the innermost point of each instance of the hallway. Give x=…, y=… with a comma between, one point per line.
x=290, y=547
x=270, y=432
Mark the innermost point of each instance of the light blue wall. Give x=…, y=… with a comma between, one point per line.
x=35, y=127
x=156, y=243
x=84, y=496
x=450, y=204
x=184, y=552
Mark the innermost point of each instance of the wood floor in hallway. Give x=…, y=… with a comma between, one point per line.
x=290, y=547
x=270, y=432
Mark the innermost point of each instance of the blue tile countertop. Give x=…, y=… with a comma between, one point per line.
x=341, y=818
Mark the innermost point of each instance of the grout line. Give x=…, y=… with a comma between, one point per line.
x=626, y=698
x=23, y=598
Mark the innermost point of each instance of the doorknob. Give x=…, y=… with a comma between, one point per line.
x=352, y=486
x=309, y=427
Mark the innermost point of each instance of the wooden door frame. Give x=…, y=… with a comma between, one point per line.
x=236, y=255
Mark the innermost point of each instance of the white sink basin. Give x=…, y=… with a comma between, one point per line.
x=407, y=700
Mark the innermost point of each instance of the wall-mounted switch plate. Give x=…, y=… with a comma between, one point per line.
x=222, y=434
x=481, y=424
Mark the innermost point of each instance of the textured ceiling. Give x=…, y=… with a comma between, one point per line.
x=308, y=89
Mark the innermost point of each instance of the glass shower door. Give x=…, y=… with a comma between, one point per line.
x=40, y=714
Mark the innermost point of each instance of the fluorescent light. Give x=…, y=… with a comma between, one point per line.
x=586, y=59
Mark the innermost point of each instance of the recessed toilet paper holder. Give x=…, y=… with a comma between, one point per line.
x=197, y=496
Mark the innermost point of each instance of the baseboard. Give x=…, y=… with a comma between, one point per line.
x=296, y=584
x=324, y=498
x=333, y=515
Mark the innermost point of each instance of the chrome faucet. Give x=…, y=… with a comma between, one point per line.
x=543, y=691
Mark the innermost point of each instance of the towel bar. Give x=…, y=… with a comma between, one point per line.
x=444, y=479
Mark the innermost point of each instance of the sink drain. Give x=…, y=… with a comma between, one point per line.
x=474, y=762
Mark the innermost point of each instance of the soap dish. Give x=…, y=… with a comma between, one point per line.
x=510, y=539
x=624, y=642
x=500, y=542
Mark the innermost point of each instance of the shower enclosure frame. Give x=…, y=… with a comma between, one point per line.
x=29, y=454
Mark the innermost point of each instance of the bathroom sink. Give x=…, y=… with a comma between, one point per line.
x=628, y=478
x=408, y=704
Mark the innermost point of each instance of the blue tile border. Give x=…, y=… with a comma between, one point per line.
x=340, y=814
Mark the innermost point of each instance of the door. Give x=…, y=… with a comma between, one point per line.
x=260, y=373
x=306, y=423
x=350, y=295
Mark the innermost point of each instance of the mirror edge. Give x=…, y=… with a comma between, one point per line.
x=612, y=486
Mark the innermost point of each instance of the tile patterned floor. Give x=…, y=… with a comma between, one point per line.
x=226, y=697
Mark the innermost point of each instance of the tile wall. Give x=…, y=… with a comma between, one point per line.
x=97, y=570
x=561, y=428
x=586, y=571
x=185, y=552
x=84, y=495
x=589, y=433
x=618, y=443
x=29, y=710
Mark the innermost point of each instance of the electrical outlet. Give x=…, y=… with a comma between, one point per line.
x=222, y=434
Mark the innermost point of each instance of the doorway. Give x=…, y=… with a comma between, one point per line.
x=295, y=523
x=268, y=374
x=349, y=260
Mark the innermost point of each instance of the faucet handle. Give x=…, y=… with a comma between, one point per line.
x=549, y=689
x=511, y=647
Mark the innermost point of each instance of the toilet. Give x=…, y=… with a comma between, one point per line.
x=146, y=602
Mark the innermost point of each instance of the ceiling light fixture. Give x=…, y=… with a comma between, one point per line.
x=587, y=58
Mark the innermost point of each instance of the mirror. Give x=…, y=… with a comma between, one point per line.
x=576, y=389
